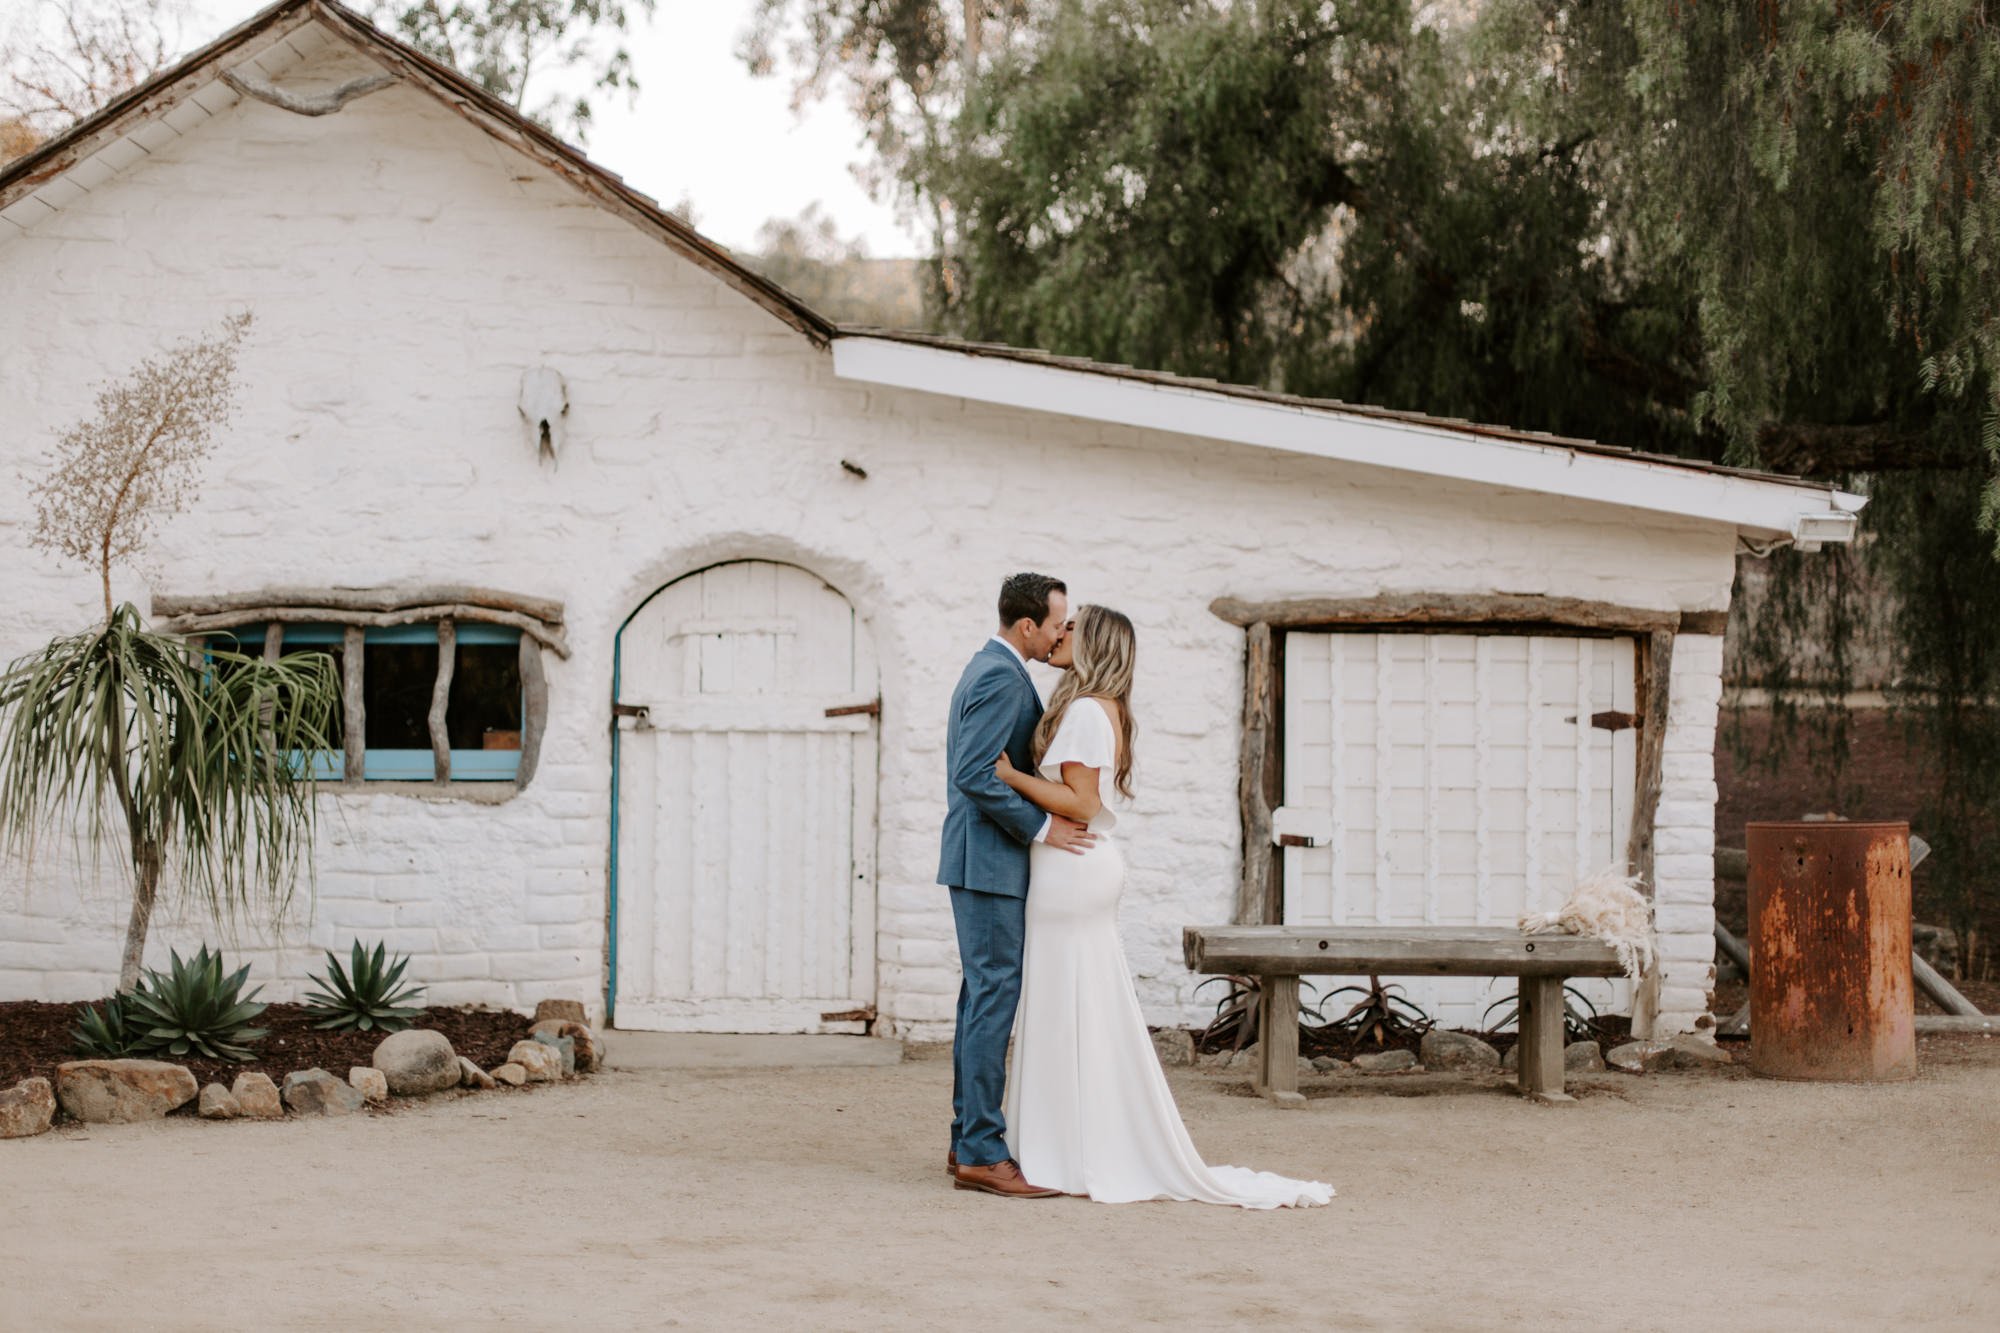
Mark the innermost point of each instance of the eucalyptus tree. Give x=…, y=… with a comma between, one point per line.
x=511, y=48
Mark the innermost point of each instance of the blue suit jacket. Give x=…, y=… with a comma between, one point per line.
x=988, y=826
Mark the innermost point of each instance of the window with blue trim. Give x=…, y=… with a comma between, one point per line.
x=485, y=702
x=328, y=765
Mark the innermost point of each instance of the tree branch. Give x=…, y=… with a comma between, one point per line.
x=321, y=104
x=1813, y=449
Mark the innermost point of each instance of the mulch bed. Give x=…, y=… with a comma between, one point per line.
x=34, y=1039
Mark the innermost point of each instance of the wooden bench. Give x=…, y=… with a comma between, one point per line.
x=1280, y=955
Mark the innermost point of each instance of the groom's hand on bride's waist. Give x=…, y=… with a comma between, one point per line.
x=1069, y=835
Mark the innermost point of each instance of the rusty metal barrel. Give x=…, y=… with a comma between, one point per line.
x=1830, y=989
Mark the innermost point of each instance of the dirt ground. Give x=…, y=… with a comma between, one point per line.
x=817, y=1199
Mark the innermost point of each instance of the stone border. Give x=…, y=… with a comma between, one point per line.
x=415, y=1062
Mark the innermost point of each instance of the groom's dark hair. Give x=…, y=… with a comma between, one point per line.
x=1026, y=597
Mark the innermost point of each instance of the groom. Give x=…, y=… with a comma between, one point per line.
x=987, y=830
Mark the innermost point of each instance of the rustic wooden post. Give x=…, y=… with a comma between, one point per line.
x=534, y=708
x=354, y=722
x=1277, y=1067
x=1656, y=680
x=1256, y=896
x=440, y=697
x=267, y=707
x=1540, y=1028
x=1658, y=671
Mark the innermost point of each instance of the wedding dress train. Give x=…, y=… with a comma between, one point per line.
x=1088, y=1108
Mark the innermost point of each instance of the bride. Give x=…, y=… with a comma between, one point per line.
x=1088, y=1109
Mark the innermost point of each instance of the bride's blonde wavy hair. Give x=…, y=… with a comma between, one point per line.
x=1104, y=649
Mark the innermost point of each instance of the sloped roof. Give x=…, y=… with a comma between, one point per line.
x=178, y=99
x=1758, y=504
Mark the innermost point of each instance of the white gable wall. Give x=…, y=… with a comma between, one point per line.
x=404, y=269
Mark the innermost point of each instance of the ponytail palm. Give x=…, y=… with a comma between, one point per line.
x=198, y=765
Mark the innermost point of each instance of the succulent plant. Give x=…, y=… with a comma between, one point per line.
x=1379, y=1014
x=1579, y=1015
x=102, y=1032
x=193, y=1008
x=366, y=996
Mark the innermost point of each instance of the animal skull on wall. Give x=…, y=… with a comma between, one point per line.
x=544, y=405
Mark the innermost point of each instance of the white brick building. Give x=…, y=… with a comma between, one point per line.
x=1427, y=608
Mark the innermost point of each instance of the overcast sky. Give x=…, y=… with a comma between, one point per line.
x=704, y=130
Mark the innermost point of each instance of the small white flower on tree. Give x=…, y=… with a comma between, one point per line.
x=139, y=459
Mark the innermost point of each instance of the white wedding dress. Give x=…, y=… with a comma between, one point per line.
x=1088, y=1107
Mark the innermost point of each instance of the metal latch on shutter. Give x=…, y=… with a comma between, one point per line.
x=638, y=714
x=873, y=708
x=1301, y=826
x=1613, y=721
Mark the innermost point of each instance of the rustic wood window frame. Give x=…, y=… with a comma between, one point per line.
x=1260, y=766
x=418, y=614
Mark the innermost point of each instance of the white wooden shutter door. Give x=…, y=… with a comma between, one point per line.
x=746, y=814
x=1452, y=779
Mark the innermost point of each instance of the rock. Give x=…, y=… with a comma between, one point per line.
x=1582, y=1057
x=471, y=1075
x=1385, y=1062
x=416, y=1061
x=316, y=1092
x=1306, y=1065
x=1684, y=1052
x=1238, y=1061
x=511, y=1074
x=1174, y=1046
x=1329, y=1064
x=115, y=1092
x=540, y=1062
x=370, y=1083
x=589, y=1052
x=1444, y=1049
x=1637, y=1057
x=567, y=1011
x=565, y=1047
x=1511, y=1062
x=217, y=1103
x=26, y=1109
x=1688, y=1052
x=258, y=1097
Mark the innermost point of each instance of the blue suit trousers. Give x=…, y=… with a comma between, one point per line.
x=992, y=929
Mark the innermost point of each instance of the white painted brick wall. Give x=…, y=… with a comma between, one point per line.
x=1684, y=836
x=405, y=270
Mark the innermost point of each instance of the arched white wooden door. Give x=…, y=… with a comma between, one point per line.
x=746, y=806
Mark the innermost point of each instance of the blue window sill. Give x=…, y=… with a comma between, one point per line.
x=421, y=766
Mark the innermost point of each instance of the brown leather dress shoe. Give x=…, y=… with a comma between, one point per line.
x=951, y=1163
x=1002, y=1178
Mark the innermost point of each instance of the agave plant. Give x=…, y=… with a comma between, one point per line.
x=1579, y=1015
x=1379, y=1014
x=366, y=996
x=1236, y=1021
x=102, y=1032
x=195, y=1009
